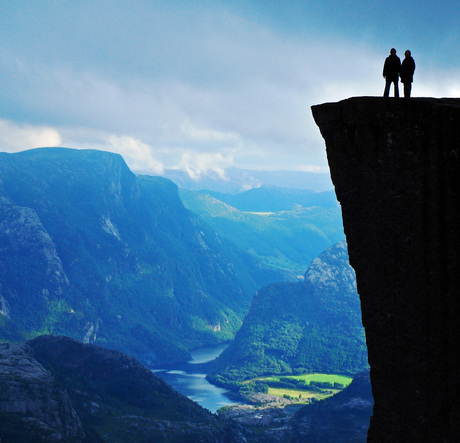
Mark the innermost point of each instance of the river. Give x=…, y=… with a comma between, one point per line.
x=190, y=379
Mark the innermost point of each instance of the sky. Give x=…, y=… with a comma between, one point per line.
x=206, y=85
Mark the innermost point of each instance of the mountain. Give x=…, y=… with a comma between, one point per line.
x=59, y=389
x=284, y=228
x=235, y=180
x=309, y=326
x=92, y=251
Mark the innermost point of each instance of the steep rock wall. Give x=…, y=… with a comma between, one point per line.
x=395, y=167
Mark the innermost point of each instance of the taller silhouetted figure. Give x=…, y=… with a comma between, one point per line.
x=407, y=73
x=391, y=70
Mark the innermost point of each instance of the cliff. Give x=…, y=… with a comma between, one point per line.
x=395, y=167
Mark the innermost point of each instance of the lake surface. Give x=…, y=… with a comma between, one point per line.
x=189, y=379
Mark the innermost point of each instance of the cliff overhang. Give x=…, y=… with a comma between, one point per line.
x=395, y=167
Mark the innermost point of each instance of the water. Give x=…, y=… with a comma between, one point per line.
x=189, y=379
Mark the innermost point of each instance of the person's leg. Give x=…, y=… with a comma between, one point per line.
x=386, y=93
x=396, y=88
x=409, y=87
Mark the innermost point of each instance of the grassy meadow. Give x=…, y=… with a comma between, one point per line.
x=304, y=387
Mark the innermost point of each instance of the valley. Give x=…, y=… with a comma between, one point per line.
x=283, y=228
x=234, y=300
x=262, y=392
x=92, y=251
x=262, y=403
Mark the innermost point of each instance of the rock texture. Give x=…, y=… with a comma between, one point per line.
x=395, y=167
x=31, y=399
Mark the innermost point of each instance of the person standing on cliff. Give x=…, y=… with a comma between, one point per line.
x=391, y=70
x=407, y=73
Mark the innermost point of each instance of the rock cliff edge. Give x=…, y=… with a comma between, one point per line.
x=395, y=167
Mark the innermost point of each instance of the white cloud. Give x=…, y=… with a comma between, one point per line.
x=194, y=133
x=433, y=86
x=138, y=155
x=18, y=137
x=224, y=89
x=196, y=164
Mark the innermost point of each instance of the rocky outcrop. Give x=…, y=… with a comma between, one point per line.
x=395, y=167
x=31, y=400
x=24, y=239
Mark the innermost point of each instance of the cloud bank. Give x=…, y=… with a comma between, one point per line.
x=195, y=85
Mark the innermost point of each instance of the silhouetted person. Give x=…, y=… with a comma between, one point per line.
x=391, y=70
x=407, y=73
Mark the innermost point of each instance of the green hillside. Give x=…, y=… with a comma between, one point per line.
x=286, y=240
x=293, y=328
x=92, y=251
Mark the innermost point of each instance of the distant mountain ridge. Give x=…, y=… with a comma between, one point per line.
x=90, y=250
x=274, y=199
x=291, y=228
x=235, y=180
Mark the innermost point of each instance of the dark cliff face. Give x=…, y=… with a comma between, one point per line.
x=395, y=168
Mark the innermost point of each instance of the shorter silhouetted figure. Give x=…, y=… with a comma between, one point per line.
x=407, y=73
x=391, y=70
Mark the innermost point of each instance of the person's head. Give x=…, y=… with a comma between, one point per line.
x=393, y=51
x=407, y=53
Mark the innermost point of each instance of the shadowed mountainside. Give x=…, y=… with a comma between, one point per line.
x=59, y=389
x=395, y=167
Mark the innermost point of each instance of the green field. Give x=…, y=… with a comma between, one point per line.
x=303, y=388
x=308, y=378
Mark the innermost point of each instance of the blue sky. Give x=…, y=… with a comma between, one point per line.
x=204, y=85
